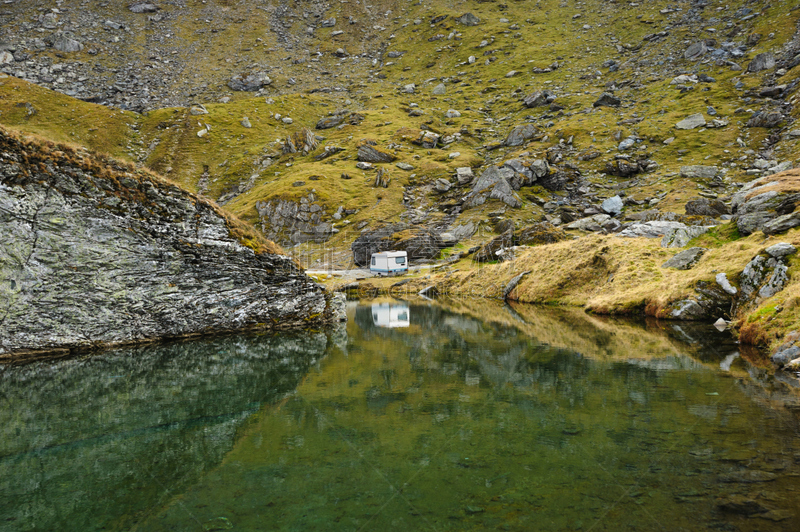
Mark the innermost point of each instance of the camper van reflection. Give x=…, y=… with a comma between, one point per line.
x=389, y=263
x=390, y=315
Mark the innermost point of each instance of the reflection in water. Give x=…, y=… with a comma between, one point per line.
x=474, y=416
x=390, y=315
x=95, y=443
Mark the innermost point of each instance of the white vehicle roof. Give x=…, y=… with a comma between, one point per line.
x=389, y=254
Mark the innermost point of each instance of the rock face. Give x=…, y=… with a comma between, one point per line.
x=294, y=222
x=93, y=255
x=768, y=204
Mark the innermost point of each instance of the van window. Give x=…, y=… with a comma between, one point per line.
x=373, y=261
x=400, y=260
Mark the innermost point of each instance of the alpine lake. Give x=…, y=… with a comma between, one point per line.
x=442, y=415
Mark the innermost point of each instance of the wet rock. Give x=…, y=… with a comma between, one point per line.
x=784, y=356
x=691, y=122
x=713, y=208
x=685, y=260
x=607, y=100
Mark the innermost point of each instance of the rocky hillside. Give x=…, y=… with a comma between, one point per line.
x=94, y=252
x=336, y=128
x=316, y=121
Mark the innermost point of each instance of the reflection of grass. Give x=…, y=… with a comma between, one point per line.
x=472, y=425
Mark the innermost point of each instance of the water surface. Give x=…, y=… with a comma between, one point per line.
x=462, y=416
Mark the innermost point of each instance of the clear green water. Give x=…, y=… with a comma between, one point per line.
x=444, y=416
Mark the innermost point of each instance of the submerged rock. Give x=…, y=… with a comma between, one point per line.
x=102, y=256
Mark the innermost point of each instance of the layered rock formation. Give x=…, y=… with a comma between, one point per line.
x=94, y=253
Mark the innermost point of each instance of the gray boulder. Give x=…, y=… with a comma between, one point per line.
x=539, y=99
x=143, y=7
x=761, y=62
x=695, y=51
x=442, y=185
x=766, y=119
x=63, y=42
x=763, y=201
x=686, y=259
x=607, y=100
x=249, y=82
x=439, y=89
x=492, y=184
x=370, y=154
x=699, y=171
x=468, y=19
x=521, y=134
x=613, y=205
x=780, y=250
x=691, y=122
x=713, y=208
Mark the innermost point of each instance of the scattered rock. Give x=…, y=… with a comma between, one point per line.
x=685, y=260
x=522, y=134
x=439, y=90
x=766, y=119
x=612, y=206
x=780, y=250
x=695, y=51
x=249, y=82
x=713, y=208
x=699, y=171
x=468, y=19
x=442, y=185
x=246, y=123
x=607, y=100
x=464, y=175
x=539, y=99
x=371, y=154
x=303, y=141
x=691, y=122
x=761, y=62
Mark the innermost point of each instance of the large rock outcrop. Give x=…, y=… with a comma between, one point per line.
x=768, y=204
x=93, y=253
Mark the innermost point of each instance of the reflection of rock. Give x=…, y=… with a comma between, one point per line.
x=173, y=408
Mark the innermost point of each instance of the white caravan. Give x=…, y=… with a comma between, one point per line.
x=389, y=263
